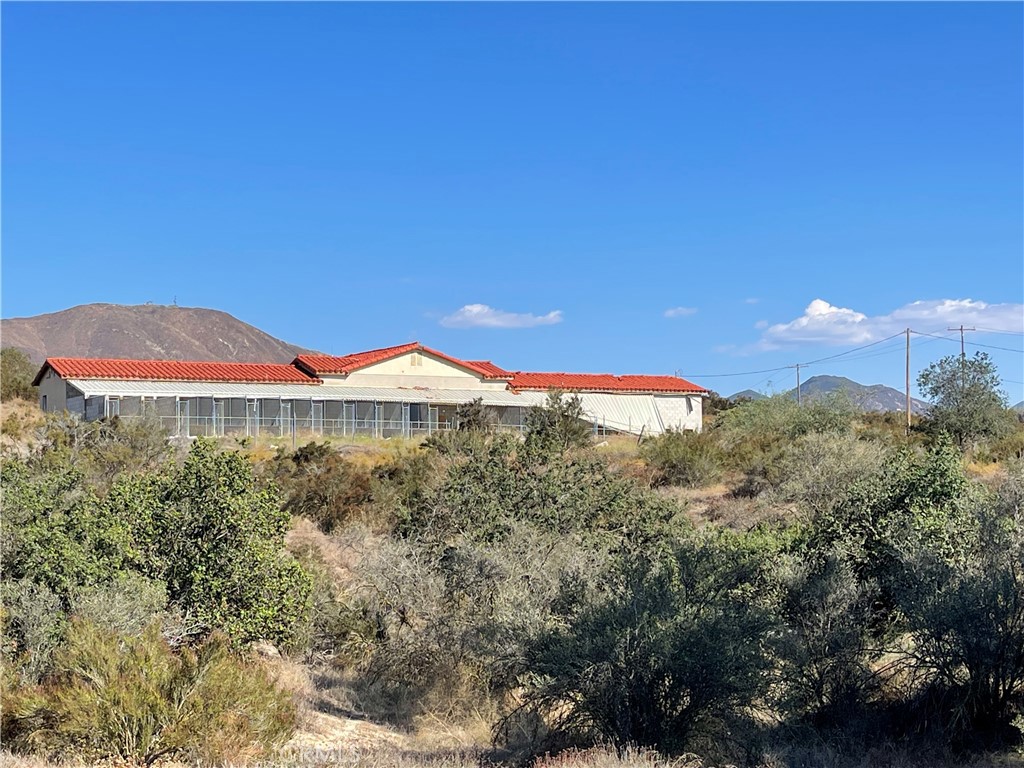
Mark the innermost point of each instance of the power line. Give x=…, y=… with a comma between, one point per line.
x=969, y=343
x=742, y=373
x=855, y=349
x=997, y=330
x=880, y=353
x=790, y=367
x=836, y=357
x=989, y=346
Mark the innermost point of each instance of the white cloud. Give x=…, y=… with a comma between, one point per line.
x=680, y=311
x=483, y=316
x=826, y=324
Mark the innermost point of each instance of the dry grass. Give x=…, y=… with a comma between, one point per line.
x=716, y=504
x=985, y=471
x=20, y=421
x=887, y=756
x=470, y=733
x=306, y=539
x=341, y=552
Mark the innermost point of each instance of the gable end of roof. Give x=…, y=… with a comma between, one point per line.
x=317, y=365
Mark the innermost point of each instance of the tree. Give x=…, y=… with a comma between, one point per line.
x=559, y=424
x=222, y=547
x=208, y=531
x=966, y=399
x=474, y=416
x=16, y=374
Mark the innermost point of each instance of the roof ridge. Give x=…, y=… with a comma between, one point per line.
x=410, y=344
x=162, y=360
x=173, y=370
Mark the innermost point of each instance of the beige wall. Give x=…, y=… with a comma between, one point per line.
x=414, y=369
x=680, y=411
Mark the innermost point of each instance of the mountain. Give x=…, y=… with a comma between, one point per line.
x=866, y=397
x=1019, y=407
x=873, y=397
x=145, y=331
x=747, y=394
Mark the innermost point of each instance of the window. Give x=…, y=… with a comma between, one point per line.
x=42, y=402
x=417, y=360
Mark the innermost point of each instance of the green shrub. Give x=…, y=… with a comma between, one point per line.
x=16, y=374
x=683, y=458
x=966, y=616
x=825, y=674
x=17, y=425
x=333, y=619
x=105, y=450
x=57, y=532
x=33, y=627
x=325, y=487
x=754, y=434
x=559, y=425
x=502, y=481
x=134, y=699
x=404, y=482
x=125, y=605
x=221, y=537
x=674, y=644
x=818, y=470
x=474, y=416
x=913, y=498
x=207, y=530
x=451, y=625
x=1009, y=447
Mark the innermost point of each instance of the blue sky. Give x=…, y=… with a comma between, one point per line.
x=703, y=188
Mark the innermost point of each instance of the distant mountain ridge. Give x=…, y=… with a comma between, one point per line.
x=143, y=331
x=865, y=397
x=748, y=394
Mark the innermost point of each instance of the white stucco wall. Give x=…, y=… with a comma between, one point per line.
x=680, y=411
x=403, y=371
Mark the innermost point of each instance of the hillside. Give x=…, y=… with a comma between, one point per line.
x=867, y=397
x=146, y=331
x=747, y=394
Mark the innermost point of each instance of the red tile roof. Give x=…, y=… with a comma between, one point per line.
x=174, y=370
x=493, y=371
x=327, y=364
x=306, y=368
x=317, y=364
x=602, y=382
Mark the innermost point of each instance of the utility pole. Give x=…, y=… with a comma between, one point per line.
x=799, y=397
x=963, y=355
x=908, y=382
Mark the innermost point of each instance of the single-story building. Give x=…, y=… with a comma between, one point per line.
x=403, y=390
